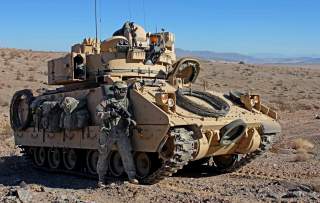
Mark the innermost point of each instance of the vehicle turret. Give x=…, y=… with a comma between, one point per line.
x=130, y=52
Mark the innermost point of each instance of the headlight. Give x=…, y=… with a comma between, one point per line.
x=166, y=101
x=162, y=99
x=250, y=101
x=171, y=102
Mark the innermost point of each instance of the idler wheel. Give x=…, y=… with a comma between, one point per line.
x=232, y=131
x=70, y=159
x=115, y=164
x=225, y=162
x=39, y=156
x=91, y=161
x=54, y=158
x=143, y=164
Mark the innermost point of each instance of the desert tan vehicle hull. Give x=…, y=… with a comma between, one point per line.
x=148, y=138
x=153, y=129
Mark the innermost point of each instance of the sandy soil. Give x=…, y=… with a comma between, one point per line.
x=290, y=172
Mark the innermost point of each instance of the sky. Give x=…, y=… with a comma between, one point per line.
x=255, y=27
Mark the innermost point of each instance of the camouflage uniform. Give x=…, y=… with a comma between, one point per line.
x=129, y=31
x=115, y=130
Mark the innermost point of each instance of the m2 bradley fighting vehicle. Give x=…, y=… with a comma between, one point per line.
x=176, y=125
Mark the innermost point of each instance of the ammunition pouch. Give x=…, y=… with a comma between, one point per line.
x=77, y=118
x=47, y=115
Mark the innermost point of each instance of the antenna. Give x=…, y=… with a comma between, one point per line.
x=100, y=21
x=144, y=14
x=129, y=7
x=96, y=19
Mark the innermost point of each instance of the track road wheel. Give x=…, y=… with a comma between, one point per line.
x=115, y=164
x=91, y=161
x=143, y=164
x=69, y=159
x=225, y=162
x=54, y=158
x=39, y=156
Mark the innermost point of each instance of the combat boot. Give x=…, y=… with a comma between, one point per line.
x=134, y=181
x=101, y=184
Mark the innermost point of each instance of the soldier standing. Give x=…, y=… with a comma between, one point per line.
x=116, y=120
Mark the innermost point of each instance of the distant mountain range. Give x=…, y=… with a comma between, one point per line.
x=236, y=57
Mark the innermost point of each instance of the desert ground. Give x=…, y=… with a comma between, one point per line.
x=288, y=173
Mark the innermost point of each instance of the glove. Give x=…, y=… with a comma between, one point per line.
x=114, y=114
x=101, y=115
x=134, y=123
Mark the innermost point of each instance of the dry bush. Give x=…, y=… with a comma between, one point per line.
x=316, y=185
x=301, y=157
x=302, y=144
x=6, y=63
x=3, y=103
x=19, y=75
x=282, y=105
x=3, y=54
x=303, y=149
x=31, y=78
x=12, y=55
x=31, y=69
x=5, y=129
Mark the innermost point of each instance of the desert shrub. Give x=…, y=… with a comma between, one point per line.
x=4, y=103
x=301, y=105
x=12, y=55
x=19, y=75
x=5, y=129
x=301, y=157
x=279, y=83
x=31, y=78
x=303, y=148
x=6, y=63
x=3, y=54
x=302, y=144
x=316, y=184
x=31, y=68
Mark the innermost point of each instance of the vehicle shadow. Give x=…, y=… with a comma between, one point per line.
x=197, y=171
x=15, y=169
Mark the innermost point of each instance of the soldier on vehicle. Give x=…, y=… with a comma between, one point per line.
x=116, y=120
x=128, y=30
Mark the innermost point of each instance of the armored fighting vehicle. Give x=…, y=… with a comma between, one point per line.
x=176, y=124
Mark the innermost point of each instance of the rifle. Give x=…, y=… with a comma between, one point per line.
x=123, y=112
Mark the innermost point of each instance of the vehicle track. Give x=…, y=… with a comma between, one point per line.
x=182, y=154
x=183, y=150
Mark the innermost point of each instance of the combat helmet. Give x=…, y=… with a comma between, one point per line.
x=120, y=89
